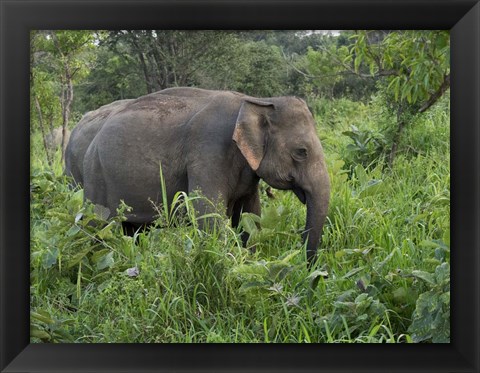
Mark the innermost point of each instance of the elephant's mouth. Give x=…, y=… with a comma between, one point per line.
x=300, y=194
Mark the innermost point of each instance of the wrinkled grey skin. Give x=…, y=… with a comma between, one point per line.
x=88, y=127
x=82, y=136
x=218, y=142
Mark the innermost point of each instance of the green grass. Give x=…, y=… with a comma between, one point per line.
x=386, y=235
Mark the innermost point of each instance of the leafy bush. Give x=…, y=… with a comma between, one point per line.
x=366, y=149
x=431, y=318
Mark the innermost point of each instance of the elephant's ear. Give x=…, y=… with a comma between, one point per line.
x=250, y=130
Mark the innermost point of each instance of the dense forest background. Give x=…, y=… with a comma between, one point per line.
x=381, y=102
x=77, y=71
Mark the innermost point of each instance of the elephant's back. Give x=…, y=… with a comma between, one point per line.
x=92, y=121
x=83, y=134
x=160, y=109
x=145, y=133
x=151, y=117
x=125, y=156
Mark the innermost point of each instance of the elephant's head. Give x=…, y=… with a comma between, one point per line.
x=277, y=137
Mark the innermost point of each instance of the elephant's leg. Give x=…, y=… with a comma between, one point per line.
x=249, y=203
x=130, y=229
x=212, y=199
x=95, y=189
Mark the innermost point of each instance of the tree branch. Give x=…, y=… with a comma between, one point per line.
x=436, y=95
x=348, y=70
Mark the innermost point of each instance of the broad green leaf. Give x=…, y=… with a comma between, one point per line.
x=442, y=40
x=371, y=188
x=102, y=212
x=290, y=256
x=50, y=257
x=40, y=334
x=106, y=232
x=425, y=276
x=42, y=316
x=315, y=276
x=74, y=229
x=357, y=62
x=270, y=217
x=400, y=294
x=254, y=269
x=275, y=268
x=361, y=298
x=354, y=271
x=442, y=274
x=249, y=222
x=78, y=257
x=97, y=255
x=361, y=174
x=284, y=272
x=106, y=261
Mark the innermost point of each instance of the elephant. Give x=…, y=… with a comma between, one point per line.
x=219, y=142
x=89, y=125
x=83, y=134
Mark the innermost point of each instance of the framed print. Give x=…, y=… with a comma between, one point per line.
x=143, y=254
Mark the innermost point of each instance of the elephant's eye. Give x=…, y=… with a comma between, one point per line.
x=300, y=154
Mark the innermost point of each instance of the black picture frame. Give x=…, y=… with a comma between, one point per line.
x=17, y=17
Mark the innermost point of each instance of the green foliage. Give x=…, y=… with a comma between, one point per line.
x=425, y=136
x=413, y=68
x=366, y=148
x=264, y=73
x=431, y=318
x=59, y=59
x=416, y=62
x=263, y=228
x=337, y=113
x=360, y=311
x=46, y=329
x=132, y=63
x=382, y=273
x=64, y=53
x=115, y=76
x=87, y=245
x=44, y=89
x=325, y=70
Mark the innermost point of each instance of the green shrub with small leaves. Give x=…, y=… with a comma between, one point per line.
x=366, y=148
x=431, y=318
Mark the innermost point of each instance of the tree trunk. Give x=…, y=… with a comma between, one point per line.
x=50, y=123
x=67, y=98
x=159, y=63
x=145, y=72
x=42, y=129
x=141, y=57
x=396, y=138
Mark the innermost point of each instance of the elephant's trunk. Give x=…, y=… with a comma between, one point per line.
x=317, y=207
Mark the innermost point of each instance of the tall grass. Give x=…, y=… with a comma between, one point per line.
x=384, y=251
